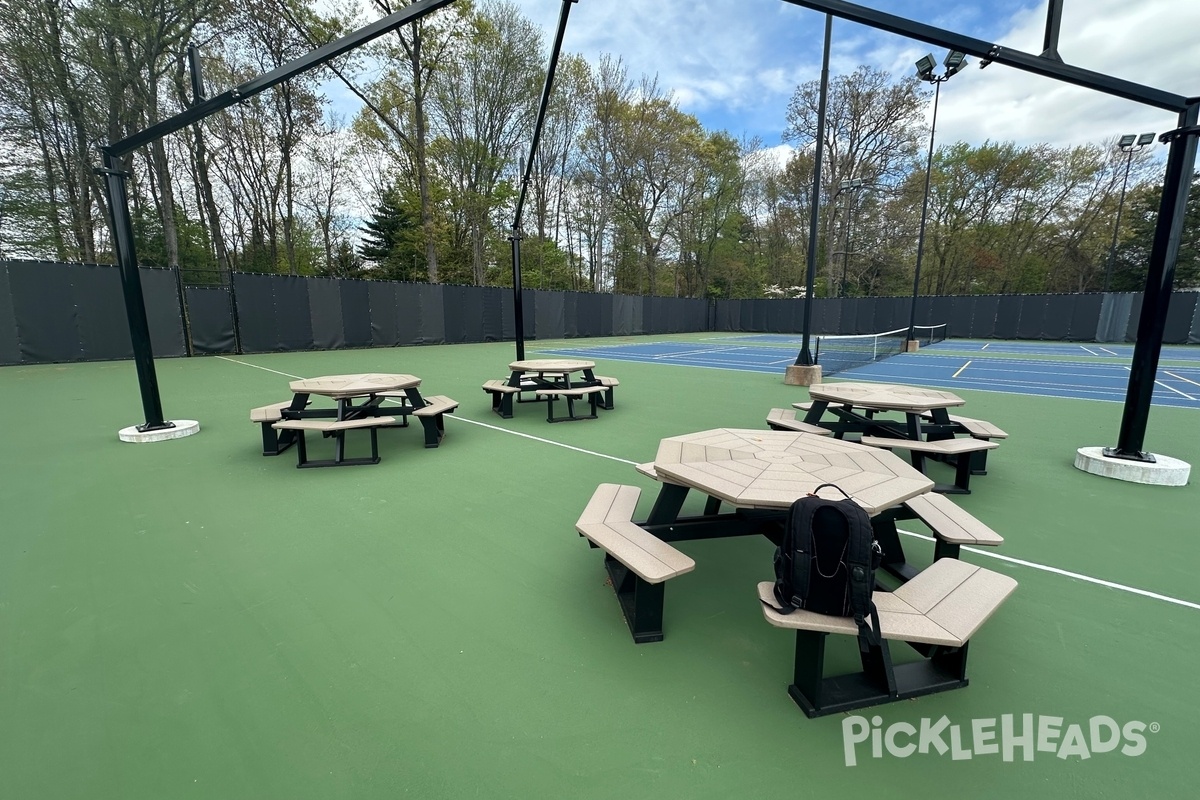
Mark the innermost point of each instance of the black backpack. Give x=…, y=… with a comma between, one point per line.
x=827, y=560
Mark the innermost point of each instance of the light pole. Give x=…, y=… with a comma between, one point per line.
x=1128, y=145
x=851, y=186
x=954, y=63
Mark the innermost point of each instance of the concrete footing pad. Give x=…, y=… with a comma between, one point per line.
x=797, y=375
x=183, y=427
x=1165, y=471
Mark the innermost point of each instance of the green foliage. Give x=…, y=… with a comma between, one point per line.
x=1133, y=251
x=390, y=239
x=627, y=192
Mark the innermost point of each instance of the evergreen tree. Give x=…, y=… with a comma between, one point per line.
x=389, y=241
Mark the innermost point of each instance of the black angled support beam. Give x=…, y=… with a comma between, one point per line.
x=1160, y=276
x=310, y=60
x=989, y=51
x=526, y=173
x=118, y=199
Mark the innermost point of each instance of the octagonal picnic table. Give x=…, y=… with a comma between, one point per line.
x=530, y=375
x=357, y=385
x=374, y=387
x=761, y=473
x=842, y=399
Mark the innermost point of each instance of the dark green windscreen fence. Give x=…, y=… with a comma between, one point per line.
x=55, y=312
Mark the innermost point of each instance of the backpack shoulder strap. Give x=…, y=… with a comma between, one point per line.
x=796, y=552
x=861, y=559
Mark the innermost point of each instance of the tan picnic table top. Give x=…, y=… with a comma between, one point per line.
x=754, y=468
x=556, y=365
x=359, y=385
x=884, y=396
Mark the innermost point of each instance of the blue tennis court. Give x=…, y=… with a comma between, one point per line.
x=1050, y=369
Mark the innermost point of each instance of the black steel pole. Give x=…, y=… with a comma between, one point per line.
x=1053, y=26
x=131, y=284
x=849, y=229
x=193, y=55
x=912, y=313
x=1112, y=250
x=804, y=358
x=1160, y=275
x=527, y=170
x=518, y=311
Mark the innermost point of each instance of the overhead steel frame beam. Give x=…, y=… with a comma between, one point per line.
x=118, y=200
x=527, y=172
x=1181, y=162
x=1054, y=10
x=988, y=51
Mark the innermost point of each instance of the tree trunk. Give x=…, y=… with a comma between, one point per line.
x=166, y=205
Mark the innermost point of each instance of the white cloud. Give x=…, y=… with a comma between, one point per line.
x=735, y=63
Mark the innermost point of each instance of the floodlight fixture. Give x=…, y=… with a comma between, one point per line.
x=1127, y=145
x=925, y=66
x=954, y=62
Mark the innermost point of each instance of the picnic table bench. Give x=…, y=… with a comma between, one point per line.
x=784, y=419
x=638, y=563
x=337, y=429
x=266, y=417
x=592, y=393
x=976, y=429
x=937, y=613
x=431, y=416
x=957, y=448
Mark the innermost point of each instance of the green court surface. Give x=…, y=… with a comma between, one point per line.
x=192, y=619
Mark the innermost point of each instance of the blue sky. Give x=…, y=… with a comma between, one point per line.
x=735, y=63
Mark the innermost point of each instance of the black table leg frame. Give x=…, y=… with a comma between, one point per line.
x=881, y=681
x=339, y=459
x=641, y=602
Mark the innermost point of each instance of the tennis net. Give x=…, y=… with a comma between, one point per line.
x=840, y=353
x=929, y=334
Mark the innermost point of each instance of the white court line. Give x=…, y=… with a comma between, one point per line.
x=1181, y=378
x=960, y=369
x=457, y=418
x=1093, y=352
x=1110, y=352
x=1020, y=562
x=708, y=351
x=986, y=346
x=264, y=369
x=1067, y=573
x=1165, y=386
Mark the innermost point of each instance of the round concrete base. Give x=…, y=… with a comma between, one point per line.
x=796, y=375
x=1165, y=471
x=183, y=427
